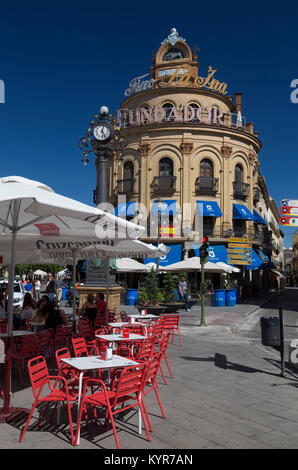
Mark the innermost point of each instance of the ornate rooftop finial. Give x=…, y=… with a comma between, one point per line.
x=173, y=37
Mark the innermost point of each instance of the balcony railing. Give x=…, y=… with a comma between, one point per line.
x=225, y=231
x=205, y=185
x=125, y=186
x=241, y=190
x=164, y=184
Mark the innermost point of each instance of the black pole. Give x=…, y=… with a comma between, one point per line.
x=282, y=348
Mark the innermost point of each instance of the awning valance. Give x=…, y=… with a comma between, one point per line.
x=208, y=208
x=166, y=207
x=126, y=209
x=258, y=219
x=173, y=256
x=242, y=212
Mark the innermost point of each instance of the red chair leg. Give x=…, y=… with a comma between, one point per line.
x=28, y=421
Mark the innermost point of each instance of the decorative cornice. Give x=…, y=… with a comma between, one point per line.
x=226, y=151
x=144, y=148
x=186, y=147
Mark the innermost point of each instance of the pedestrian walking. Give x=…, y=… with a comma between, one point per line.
x=37, y=289
x=51, y=287
x=182, y=286
x=28, y=287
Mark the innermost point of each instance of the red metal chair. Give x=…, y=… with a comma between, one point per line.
x=61, y=338
x=171, y=324
x=127, y=386
x=163, y=349
x=126, y=348
x=45, y=342
x=146, y=350
x=26, y=350
x=41, y=380
x=150, y=384
x=81, y=348
x=85, y=328
x=100, y=321
x=157, y=331
x=124, y=316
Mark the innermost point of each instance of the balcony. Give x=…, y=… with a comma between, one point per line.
x=241, y=190
x=257, y=195
x=226, y=231
x=163, y=184
x=125, y=186
x=205, y=185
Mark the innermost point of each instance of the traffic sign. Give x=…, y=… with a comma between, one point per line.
x=289, y=202
x=239, y=251
x=231, y=261
x=240, y=240
x=287, y=210
x=289, y=221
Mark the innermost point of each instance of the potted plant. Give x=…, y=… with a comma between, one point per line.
x=150, y=295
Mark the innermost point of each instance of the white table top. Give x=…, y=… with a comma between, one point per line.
x=143, y=317
x=119, y=337
x=17, y=333
x=122, y=323
x=94, y=362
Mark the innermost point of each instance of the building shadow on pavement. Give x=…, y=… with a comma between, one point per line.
x=221, y=361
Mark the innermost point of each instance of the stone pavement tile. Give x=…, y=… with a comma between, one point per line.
x=279, y=440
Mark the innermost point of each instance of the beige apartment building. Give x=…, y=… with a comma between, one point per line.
x=192, y=151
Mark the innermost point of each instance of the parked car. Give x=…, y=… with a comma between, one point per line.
x=18, y=292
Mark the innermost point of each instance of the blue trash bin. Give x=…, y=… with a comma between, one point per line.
x=177, y=295
x=219, y=297
x=64, y=291
x=238, y=296
x=131, y=296
x=231, y=297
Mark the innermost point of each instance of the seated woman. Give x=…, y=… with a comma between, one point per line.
x=47, y=316
x=89, y=308
x=101, y=304
x=28, y=309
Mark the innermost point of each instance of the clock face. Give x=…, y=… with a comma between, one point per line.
x=102, y=131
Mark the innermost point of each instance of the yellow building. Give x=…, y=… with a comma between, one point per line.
x=190, y=147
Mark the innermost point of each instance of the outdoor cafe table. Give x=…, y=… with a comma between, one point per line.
x=17, y=333
x=143, y=317
x=119, y=337
x=120, y=324
x=83, y=364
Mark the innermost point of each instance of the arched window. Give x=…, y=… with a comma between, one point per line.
x=173, y=53
x=238, y=173
x=128, y=177
x=206, y=168
x=168, y=108
x=166, y=167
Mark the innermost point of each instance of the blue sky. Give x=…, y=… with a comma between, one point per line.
x=61, y=61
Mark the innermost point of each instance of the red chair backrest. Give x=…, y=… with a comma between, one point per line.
x=45, y=337
x=137, y=329
x=146, y=350
x=100, y=321
x=101, y=331
x=38, y=373
x=164, y=343
x=158, y=329
x=130, y=381
x=85, y=327
x=62, y=353
x=30, y=345
x=79, y=346
x=170, y=322
x=152, y=368
x=124, y=316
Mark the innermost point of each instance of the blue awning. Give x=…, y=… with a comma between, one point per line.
x=166, y=207
x=241, y=212
x=127, y=209
x=173, y=256
x=258, y=218
x=209, y=208
x=259, y=261
x=216, y=253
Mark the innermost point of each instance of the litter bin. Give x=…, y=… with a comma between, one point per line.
x=131, y=296
x=64, y=291
x=231, y=297
x=219, y=297
x=270, y=331
x=238, y=296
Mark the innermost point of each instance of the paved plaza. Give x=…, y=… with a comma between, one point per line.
x=227, y=391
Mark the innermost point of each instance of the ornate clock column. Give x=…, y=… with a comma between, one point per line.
x=105, y=143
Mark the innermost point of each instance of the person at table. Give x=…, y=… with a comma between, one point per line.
x=47, y=316
x=101, y=304
x=2, y=306
x=89, y=308
x=28, y=308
